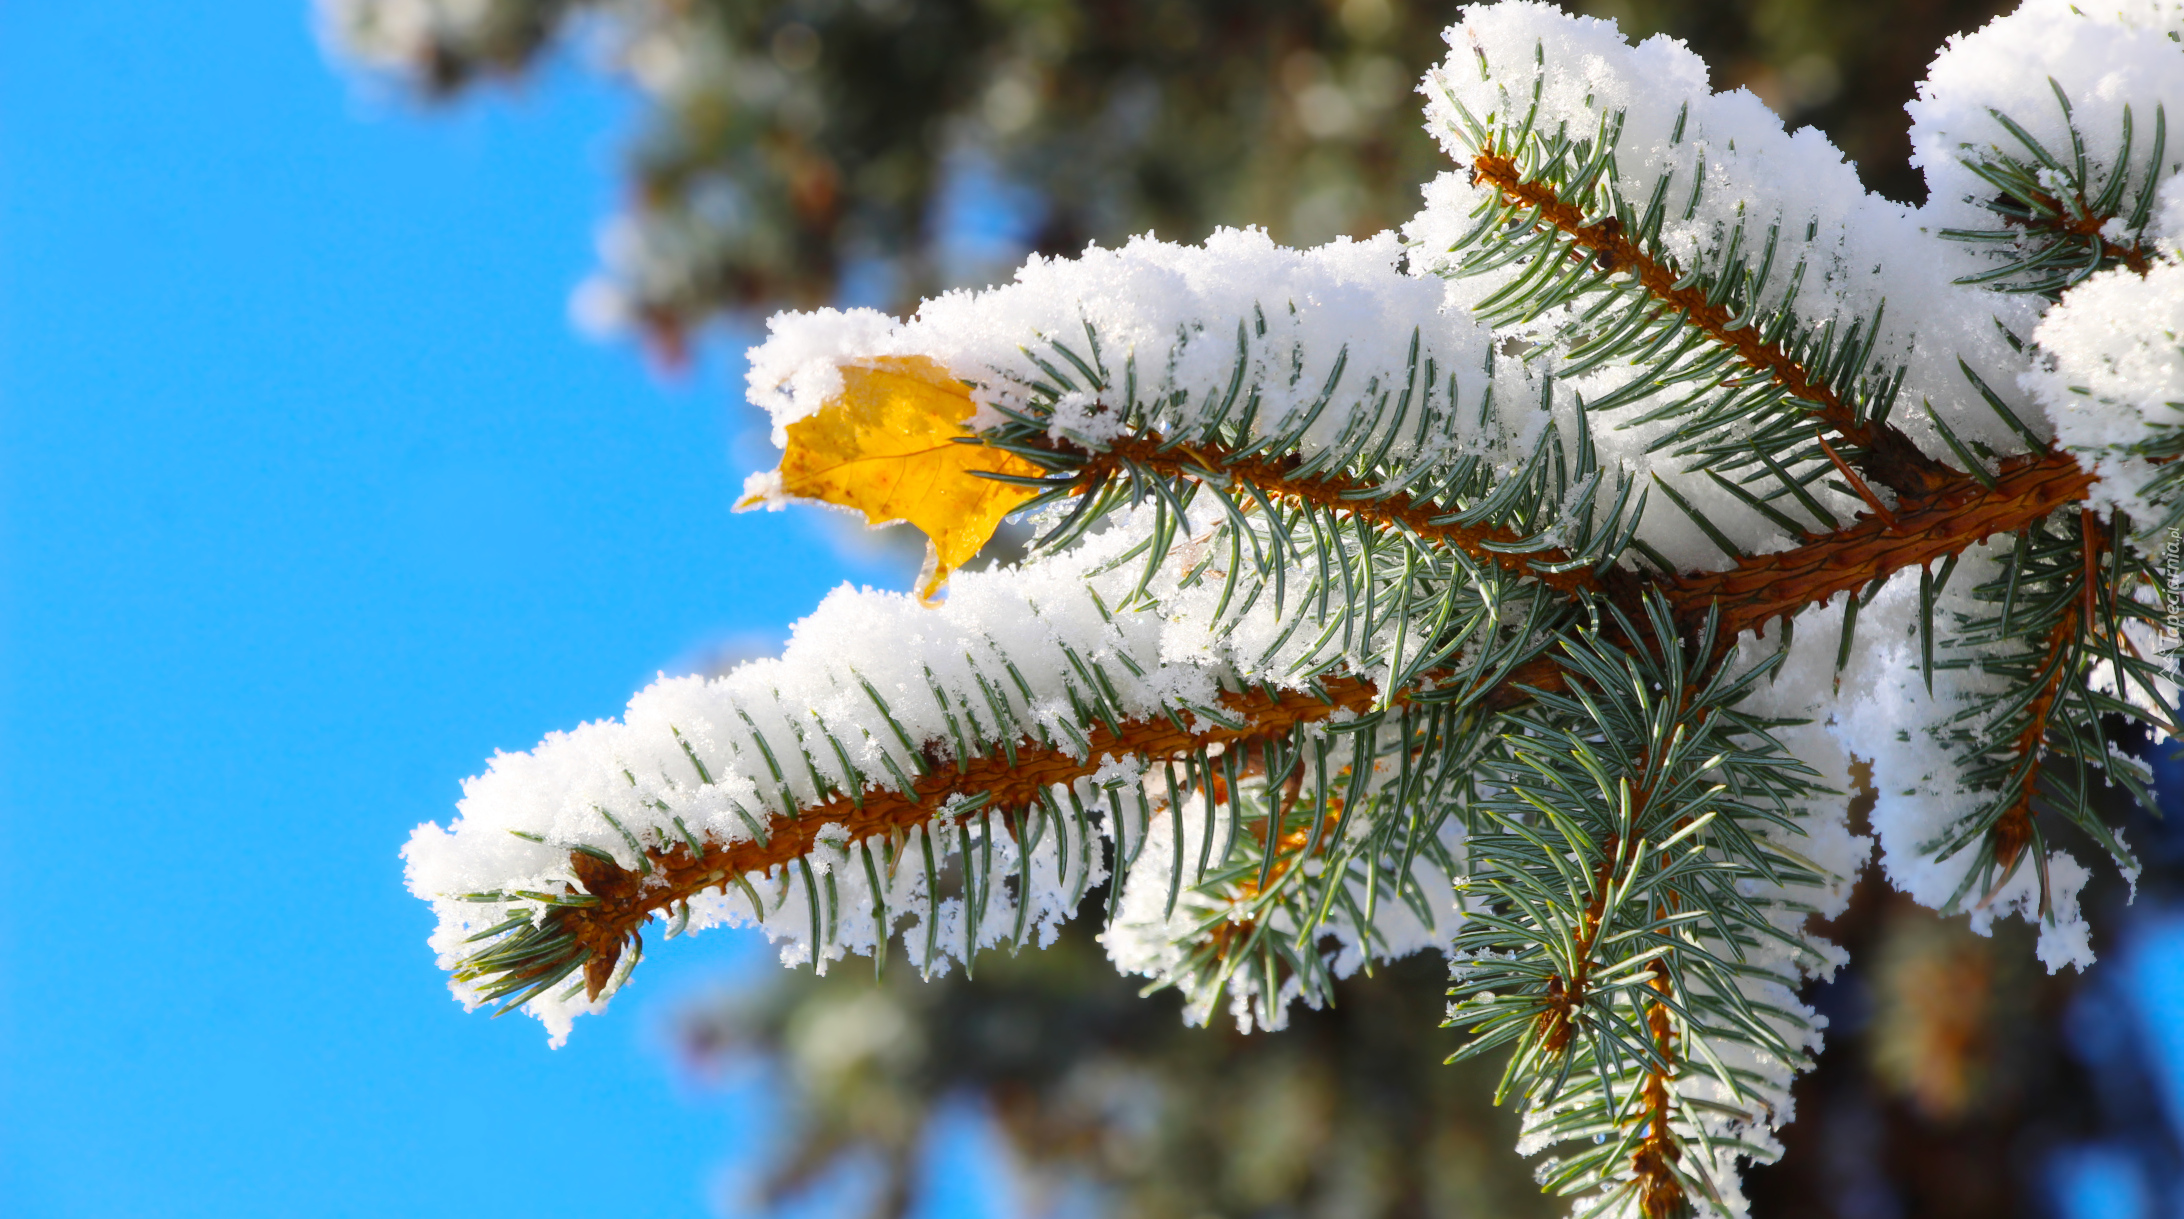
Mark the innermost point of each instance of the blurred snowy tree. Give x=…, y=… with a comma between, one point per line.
x=791, y=150
x=1523, y=587
x=1108, y=1104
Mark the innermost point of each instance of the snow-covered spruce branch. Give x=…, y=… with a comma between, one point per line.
x=2045, y=142
x=1745, y=191
x=666, y=875
x=1678, y=245
x=1633, y=932
x=1256, y=481
x=1520, y=590
x=1747, y=595
x=1657, y=303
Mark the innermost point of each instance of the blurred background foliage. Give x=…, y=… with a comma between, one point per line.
x=1108, y=1104
x=1960, y=1081
x=808, y=152
x=802, y=152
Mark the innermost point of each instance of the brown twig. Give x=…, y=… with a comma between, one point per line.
x=1660, y=1194
x=627, y=899
x=1856, y=483
x=2088, y=224
x=1557, y=1022
x=1890, y=457
x=2012, y=830
x=1276, y=478
x=1760, y=588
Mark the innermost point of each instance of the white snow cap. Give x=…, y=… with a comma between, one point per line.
x=2114, y=378
x=1172, y=312
x=2104, y=57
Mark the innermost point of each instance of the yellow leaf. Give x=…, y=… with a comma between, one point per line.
x=885, y=446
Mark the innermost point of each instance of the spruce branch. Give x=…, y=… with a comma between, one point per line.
x=2060, y=607
x=1743, y=597
x=1278, y=478
x=1945, y=522
x=1336, y=851
x=1759, y=589
x=672, y=873
x=1627, y=817
x=1890, y=456
x=1422, y=459
x=2056, y=213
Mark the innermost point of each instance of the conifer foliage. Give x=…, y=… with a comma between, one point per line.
x=1519, y=587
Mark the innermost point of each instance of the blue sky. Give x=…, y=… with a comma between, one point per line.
x=312, y=499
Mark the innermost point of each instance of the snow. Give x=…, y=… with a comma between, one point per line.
x=2103, y=57
x=2114, y=379
x=1175, y=316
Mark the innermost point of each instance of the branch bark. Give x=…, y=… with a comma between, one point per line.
x=627, y=899
x=1956, y=516
x=1889, y=456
